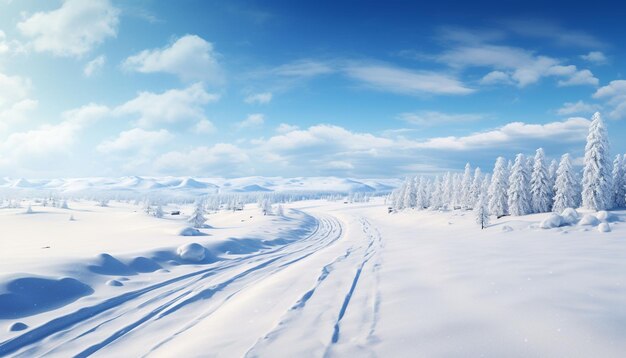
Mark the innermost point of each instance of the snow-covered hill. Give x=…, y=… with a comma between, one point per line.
x=197, y=186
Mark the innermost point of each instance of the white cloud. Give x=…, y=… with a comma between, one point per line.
x=433, y=118
x=582, y=77
x=15, y=104
x=204, y=126
x=285, y=127
x=340, y=165
x=404, y=81
x=615, y=95
x=48, y=139
x=135, y=139
x=220, y=159
x=259, y=98
x=514, y=64
x=496, y=77
x=253, y=120
x=596, y=57
x=570, y=108
x=94, y=66
x=169, y=107
x=73, y=29
x=304, y=68
x=190, y=57
x=561, y=36
x=572, y=129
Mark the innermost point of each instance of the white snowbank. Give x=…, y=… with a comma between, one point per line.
x=570, y=216
x=552, y=221
x=604, y=227
x=605, y=216
x=190, y=231
x=507, y=228
x=191, y=252
x=588, y=220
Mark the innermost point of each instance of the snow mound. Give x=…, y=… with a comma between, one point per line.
x=605, y=216
x=604, y=227
x=190, y=231
x=191, y=252
x=114, y=283
x=551, y=222
x=588, y=220
x=570, y=216
x=506, y=228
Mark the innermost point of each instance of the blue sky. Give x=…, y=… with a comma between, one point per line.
x=294, y=88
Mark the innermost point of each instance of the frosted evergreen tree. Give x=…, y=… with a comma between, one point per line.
x=498, y=198
x=565, y=188
x=596, y=188
x=410, y=195
x=619, y=182
x=456, y=190
x=64, y=205
x=197, y=218
x=29, y=210
x=482, y=214
x=540, y=185
x=280, y=211
x=476, y=187
x=436, y=199
x=447, y=190
x=518, y=194
x=484, y=187
x=422, y=194
x=158, y=212
x=466, y=188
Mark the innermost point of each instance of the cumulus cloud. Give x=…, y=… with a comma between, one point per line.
x=596, y=57
x=220, y=159
x=169, y=107
x=253, y=120
x=190, y=57
x=304, y=68
x=570, y=108
x=572, y=129
x=94, y=66
x=513, y=65
x=259, y=98
x=615, y=95
x=405, y=81
x=135, y=139
x=285, y=127
x=204, y=126
x=15, y=104
x=433, y=118
x=49, y=139
x=74, y=29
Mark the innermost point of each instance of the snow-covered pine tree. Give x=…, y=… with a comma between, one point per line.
x=158, y=212
x=596, y=189
x=518, y=194
x=280, y=211
x=540, y=186
x=498, y=199
x=456, y=191
x=436, y=199
x=565, y=187
x=197, y=218
x=482, y=214
x=421, y=197
x=466, y=188
x=410, y=194
x=447, y=190
x=619, y=182
x=476, y=187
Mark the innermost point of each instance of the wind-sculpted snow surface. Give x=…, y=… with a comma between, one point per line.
x=328, y=279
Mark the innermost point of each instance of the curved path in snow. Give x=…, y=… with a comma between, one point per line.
x=315, y=296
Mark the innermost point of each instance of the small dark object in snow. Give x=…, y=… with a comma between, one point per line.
x=175, y=212
x=46, y=247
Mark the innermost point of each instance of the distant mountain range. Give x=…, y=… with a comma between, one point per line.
x=198, y=186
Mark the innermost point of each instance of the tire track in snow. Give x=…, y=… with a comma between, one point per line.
x=64, y=324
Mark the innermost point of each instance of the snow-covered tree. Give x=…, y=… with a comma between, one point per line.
x=410, y=193
x=498, y=198
x=280, y=211
x=482, y=214
x=447, y=187
x=565, y=188
x=266, y=206
x=197, y=218
x=64, y=205
x=619, y=182
x=29, y=210
x=540, y=185
x=158, y=212
x=596, y=190
x=466, y=188
x=422, y=195
x=476, y=187
x=518, y=194
x=436, y=199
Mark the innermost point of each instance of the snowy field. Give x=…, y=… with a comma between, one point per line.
x=326, y=279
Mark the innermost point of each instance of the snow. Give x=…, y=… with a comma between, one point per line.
x=570, y=216
x=190, y=231
x=552, y=221
x=589, y=220
x=191, y=252
x=604, y=227
x=326, y=279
